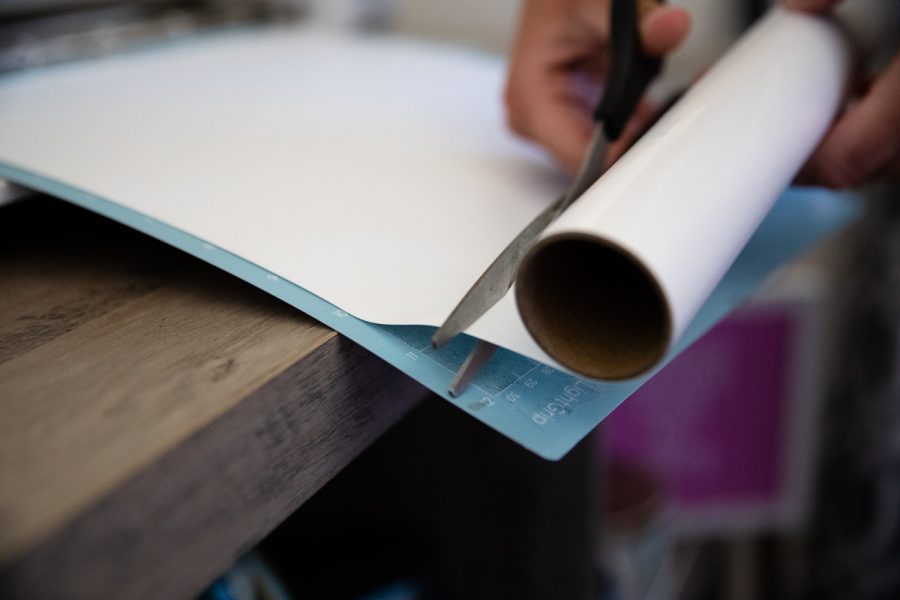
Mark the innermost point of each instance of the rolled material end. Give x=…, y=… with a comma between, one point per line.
x=593, y=307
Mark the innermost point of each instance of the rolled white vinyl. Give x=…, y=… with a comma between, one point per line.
x=616, y=280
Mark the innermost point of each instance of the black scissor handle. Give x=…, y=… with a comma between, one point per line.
x=630, y=71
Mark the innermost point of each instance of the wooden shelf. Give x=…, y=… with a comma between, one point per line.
x=157, y=416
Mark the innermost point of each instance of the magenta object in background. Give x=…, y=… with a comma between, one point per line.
x=712, y=426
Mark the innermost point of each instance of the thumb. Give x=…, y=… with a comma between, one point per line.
x=663, y=28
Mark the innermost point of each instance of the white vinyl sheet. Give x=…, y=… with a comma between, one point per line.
x=377, y=173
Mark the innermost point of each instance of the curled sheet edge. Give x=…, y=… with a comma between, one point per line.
x=545, y=410
x=171, y=183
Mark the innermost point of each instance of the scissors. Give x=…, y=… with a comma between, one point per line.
x=631, y=71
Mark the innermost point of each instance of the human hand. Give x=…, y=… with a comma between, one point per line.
x=864, y=142
x=558, y=66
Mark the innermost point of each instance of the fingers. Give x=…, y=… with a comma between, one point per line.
x=663, y=29
x=810, y=5
x=544, y=101
x=866, y=139
x=564, y=129
x=557, y=64
x=644, y=114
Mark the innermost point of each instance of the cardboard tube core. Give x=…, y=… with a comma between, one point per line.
x=593, y=307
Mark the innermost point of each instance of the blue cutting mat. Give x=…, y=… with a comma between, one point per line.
x=541, y=408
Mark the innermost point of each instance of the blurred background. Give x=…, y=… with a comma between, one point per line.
x=762, y=463
x=39, y=31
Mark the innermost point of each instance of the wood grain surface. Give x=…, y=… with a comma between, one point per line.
x=157, y=416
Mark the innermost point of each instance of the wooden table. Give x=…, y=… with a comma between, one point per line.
x=157, y=416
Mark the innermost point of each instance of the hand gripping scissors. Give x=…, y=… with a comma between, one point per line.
x=631, y=71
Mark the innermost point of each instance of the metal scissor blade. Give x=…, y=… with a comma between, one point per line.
x=631, y=71
x=495, y=281
x=473, y=363
x=591, y=168
x=499, y=276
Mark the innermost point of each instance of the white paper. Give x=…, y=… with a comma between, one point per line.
x=373, y=172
